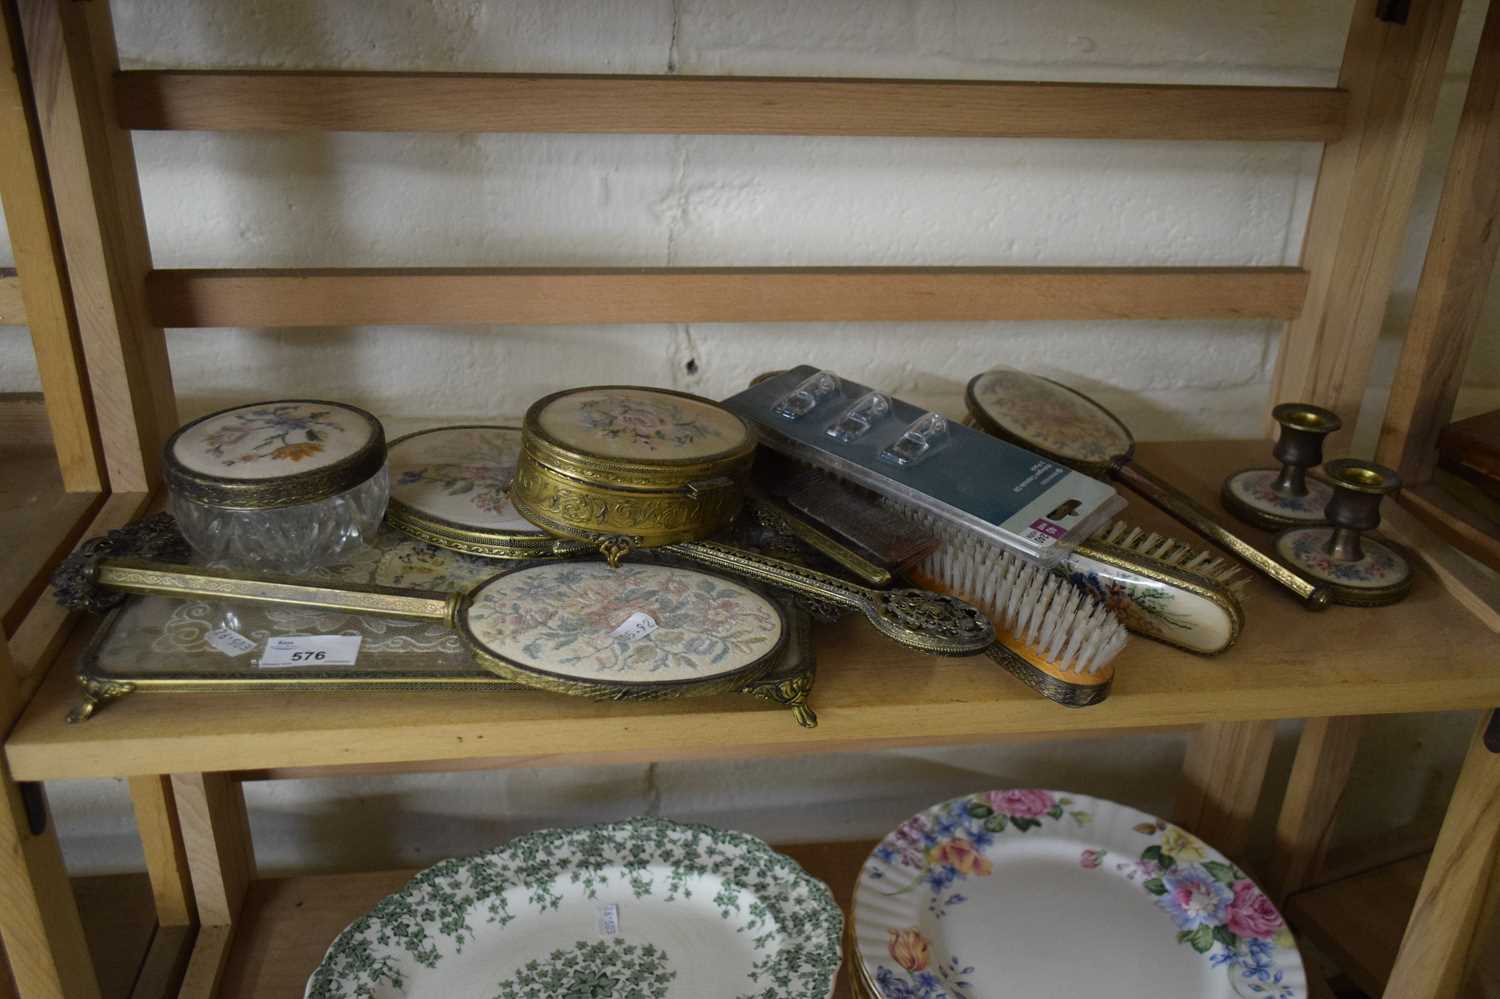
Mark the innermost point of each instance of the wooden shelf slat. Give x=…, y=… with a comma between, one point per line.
x=288, y=923
x=40, y=521
x=12, y=310
x=1358, y=922
x=1467, y=528
x=539, y=296
x=1432, y=655
x=261, y=100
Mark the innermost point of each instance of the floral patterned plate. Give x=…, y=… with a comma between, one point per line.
x=1030, y=893
x=644, y=909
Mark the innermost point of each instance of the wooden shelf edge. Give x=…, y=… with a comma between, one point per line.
x=436, y=296
x=1467, y=530
x=280, y=100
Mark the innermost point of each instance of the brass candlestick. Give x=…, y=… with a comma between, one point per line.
x=1272, y=499
x=1358, y=569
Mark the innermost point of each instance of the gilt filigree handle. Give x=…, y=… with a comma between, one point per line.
x=922, y=620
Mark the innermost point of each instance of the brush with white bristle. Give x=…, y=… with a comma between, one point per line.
x=1169, y=551
x=1163, y=588
x=1051, y=633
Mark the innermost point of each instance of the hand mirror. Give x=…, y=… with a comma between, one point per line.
x=1067, y=426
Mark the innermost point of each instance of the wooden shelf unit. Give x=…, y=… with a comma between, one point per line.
x=186, y=757
x=870, y=692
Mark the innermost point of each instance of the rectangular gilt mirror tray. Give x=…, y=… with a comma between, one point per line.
x=163, y=644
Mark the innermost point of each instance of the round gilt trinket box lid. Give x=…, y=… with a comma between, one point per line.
x=274, y=454
x=625, y=467
x=450, y=486
x=638, y=430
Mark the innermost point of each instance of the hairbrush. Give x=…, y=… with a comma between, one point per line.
x=1163, y=588
x=1158, y=586
x=1053, y=634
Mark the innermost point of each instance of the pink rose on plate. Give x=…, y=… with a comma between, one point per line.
x=1023, y=803
x=1251, y=914
x=1091, y=859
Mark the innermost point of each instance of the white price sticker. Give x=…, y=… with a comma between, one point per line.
x=311, y=650
x=609, y=920
x=637, y=625
x=231, y=643
x=1038, y=538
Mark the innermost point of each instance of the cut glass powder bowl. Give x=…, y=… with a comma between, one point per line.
x=280, y=486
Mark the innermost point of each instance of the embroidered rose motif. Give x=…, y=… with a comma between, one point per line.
x=648, y=423
x=1024, y=803
x=1251, y=914
x=909, y=949
x=961, y=856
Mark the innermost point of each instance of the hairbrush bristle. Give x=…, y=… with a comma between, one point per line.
x=1225, y=571
x=1057, y=621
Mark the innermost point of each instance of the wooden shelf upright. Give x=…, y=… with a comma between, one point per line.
x=186, y=761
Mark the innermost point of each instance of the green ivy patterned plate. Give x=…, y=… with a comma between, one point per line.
x=1041, y=893
x=644, y=909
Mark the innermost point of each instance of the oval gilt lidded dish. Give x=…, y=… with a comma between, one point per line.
x=1029, y=892
x=644, y=909
x=450, y=486
x=625, y=467
x=639, y=630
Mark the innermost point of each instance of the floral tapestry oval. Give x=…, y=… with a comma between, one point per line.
x=640, y=623
x=461, y=475
x=1048, y=416
x=272, y=439
x=641, y=424
x=1029, y=892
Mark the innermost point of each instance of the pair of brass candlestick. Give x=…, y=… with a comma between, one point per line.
x=1322, y=524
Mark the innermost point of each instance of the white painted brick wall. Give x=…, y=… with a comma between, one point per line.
x=283, y=200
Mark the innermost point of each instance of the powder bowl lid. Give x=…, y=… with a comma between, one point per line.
x=450, y=486
x=274, y=454
x=636, y=436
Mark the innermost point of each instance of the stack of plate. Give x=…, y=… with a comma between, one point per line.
x=1042, y=893
x=644, y=908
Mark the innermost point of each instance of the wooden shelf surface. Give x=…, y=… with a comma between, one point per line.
x=119, y=921
x=1425, y=654
x=1358, y=922
x=39, y=519
x=288, y=923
